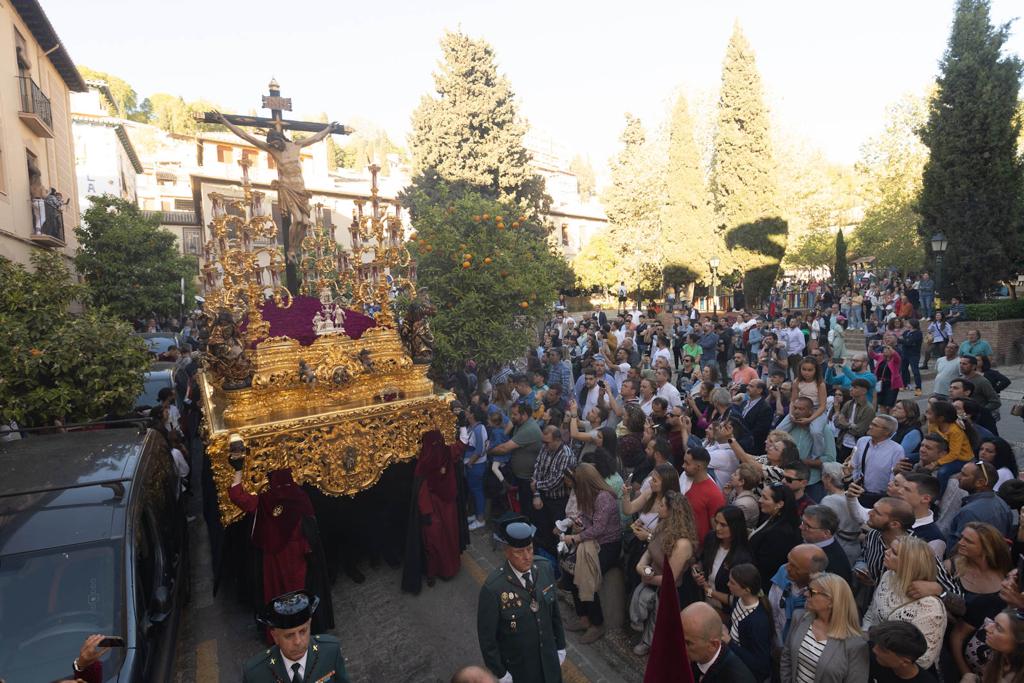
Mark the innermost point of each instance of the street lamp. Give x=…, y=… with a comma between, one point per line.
x=939, y=244
x=714, y=290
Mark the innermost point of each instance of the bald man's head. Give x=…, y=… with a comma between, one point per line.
x=473, y=674
x=804, y=562
x=702, y=630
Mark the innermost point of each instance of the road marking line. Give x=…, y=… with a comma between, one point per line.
x=206, y=662
x=570, y=672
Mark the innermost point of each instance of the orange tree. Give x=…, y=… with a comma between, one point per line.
x=489, y=270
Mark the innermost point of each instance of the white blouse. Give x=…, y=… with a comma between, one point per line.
x=928, y=614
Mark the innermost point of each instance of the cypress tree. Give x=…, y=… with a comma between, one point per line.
x=471, y=132
x=742, y=174
x=633, y=204
x=972, y=185
x=688, y=226
x=841, y=273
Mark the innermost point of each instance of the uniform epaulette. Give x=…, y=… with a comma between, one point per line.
x=327, y=638
x=257, y=660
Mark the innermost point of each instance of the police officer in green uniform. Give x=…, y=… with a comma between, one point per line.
x=295, y=657
x=517, y=619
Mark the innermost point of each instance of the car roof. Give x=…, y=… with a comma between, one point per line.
x=66, y=489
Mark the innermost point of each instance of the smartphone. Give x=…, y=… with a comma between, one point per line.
x=112, y=641
x=859, y=481
x=600, y=383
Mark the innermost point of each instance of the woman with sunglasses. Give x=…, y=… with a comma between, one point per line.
x=826, y=645
x=777, y=534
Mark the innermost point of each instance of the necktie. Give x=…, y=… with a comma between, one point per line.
x=296, y=678
x=529, y=583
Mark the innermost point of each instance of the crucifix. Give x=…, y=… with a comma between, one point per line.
x=292, y=195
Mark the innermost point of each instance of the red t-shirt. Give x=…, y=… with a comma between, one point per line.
x=706, y=499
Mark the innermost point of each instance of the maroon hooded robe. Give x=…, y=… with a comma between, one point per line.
x=436, y=502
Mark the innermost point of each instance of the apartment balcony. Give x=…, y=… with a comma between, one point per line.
x=35, y=108
x=50, y=233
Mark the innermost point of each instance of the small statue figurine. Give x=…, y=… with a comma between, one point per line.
x=306, y=373
x=415, y=329
x=364, y=358
x=226, y=355
x=318, y=324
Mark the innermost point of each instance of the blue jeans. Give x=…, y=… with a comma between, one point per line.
x=475, y=481
x=856, y=318
x=946, y=471
x=927, y=301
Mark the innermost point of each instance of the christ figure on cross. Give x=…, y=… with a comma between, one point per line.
x=292, y=194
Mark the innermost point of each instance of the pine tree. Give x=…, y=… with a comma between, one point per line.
x=973, y=183
x=471, y=132
x=742, y=174
x=841, y=273
x=633, y=204
x=688, y=228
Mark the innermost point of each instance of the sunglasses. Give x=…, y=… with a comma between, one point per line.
x=792, y=479
x=811, y=591
x=984, y=473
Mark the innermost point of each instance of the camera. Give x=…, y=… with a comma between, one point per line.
x=600, y=383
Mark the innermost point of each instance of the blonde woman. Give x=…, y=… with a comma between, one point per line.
x=906, y=560
x=675, y=537
x=826, y=645
x=779, y=449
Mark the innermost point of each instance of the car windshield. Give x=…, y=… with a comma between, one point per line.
x=50, y=602
x=159, y=345
x=153, y=383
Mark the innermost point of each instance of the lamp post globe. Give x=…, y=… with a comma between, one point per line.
x=939, y=243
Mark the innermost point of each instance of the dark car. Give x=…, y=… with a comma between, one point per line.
x=159, y=376
x=158, y=342
x=92, y=540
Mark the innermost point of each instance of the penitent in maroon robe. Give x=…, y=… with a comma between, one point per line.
x=436, y=503
x=277, y=531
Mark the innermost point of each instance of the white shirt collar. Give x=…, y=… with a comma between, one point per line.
x=921, y=521
x=302, y=665
x=826, y=543
x=520, y=575
x=705, y=666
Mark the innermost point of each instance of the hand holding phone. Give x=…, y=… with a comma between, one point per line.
x=111, y=641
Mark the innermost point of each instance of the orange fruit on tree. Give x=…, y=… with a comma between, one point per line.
x=476, y=219
x=498, y=218
x=524, y=304
x=522, y=219
x=487, y=260
x=487, y=217
x=501, y=226
x=515, y=224
x=466, y=264
x=467, y=256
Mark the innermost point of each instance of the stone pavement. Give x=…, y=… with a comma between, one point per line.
x=386, y=635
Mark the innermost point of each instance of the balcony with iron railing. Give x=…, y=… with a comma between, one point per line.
x=47, y=223
x=35, y=108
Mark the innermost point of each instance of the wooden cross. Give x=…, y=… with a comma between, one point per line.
x=277, y=105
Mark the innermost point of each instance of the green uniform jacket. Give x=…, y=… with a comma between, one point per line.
x=513, y=638
x=324, y=664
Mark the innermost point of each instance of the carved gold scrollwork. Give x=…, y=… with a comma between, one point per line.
x=341, y=454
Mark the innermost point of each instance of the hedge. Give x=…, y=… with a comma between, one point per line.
x=996, y=310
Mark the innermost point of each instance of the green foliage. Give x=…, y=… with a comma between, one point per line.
x=890, y=170
x=57, y=366
x=841, y=273
x=471, y=131
x=633, y=204
x=596, y=265
x=479, y=308
x=130, y=265
x=125, y=104
x=816, y=249
x=367, y=144
x=758, y=248
x=172, y=114
x=587, y=184
x=1010, y=309
x=742, y=175
x=973, y=183
x=688, y=226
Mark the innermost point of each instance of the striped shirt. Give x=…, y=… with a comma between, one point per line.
x=739, y=613
x=549, y=470
x=808, y=656
x=872, y=554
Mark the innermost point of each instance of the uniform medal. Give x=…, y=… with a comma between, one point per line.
x=534, y=607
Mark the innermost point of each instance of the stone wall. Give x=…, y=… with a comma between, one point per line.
x=1002, y=336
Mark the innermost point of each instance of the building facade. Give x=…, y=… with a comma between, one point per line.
x=39, y=206
x=105, y=159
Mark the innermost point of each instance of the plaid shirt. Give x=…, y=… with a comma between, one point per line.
x=549, y=470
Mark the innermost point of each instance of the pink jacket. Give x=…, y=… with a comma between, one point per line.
x=896, y=378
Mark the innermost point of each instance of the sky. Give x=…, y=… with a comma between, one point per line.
x=829, y=67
